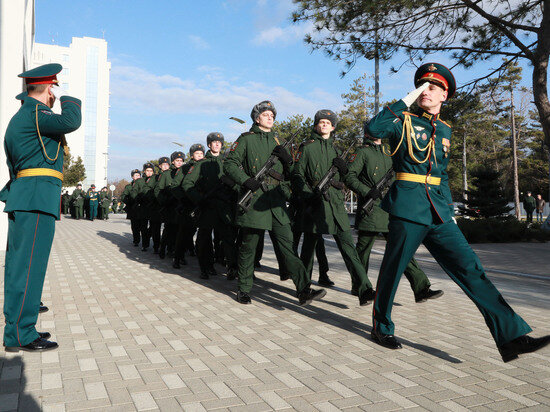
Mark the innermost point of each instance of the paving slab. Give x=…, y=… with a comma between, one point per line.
x=136, y=334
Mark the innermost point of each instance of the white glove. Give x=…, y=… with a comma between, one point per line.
x=454, y=220
x=412, y=96
x=58, y=91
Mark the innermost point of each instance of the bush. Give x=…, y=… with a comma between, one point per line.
x=494, y=230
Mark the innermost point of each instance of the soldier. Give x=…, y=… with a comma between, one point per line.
x=203, y=186
x=105, y=202
x=326, y=216
x=129, y=196
x=368, y=166
x=77, y=198
x=65, y=201
x=154, y=207
x=93, y=199
x=268, y=208
x=148, y=204
x=33, y=145
x=162, y=183
x=186, y=226
x=421, y=211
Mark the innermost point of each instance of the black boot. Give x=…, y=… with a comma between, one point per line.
x=309, y=295
x=231, y=273
x=524, y=344
x=324, y=280
x=176, y=263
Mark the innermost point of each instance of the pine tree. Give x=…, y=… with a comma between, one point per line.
x=74, y=172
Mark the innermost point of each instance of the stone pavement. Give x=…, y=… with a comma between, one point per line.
x=136, y=334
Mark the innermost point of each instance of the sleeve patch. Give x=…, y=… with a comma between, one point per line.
x=190, y=170
x=46, y=112
x=298, y=155
x=352, y=158
x=234, y=146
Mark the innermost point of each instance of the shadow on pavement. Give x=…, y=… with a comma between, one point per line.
x=276, y=295
x=14, y=382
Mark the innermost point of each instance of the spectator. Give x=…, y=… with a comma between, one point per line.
x=540, y=207
x=529, y=206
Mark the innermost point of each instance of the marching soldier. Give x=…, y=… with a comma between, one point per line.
x=268, y=209
x=35, y=145
x=203, y=186
x=77, y=198
x=93, y=198
x=161, y=194
x=327, y=213
x=185, y=225
x=129, y=197
x=367, y=167
x=148, y=204
x=421, y=211
x=65, y=202
x=105, y=202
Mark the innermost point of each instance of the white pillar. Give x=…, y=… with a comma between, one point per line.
x=16, y=39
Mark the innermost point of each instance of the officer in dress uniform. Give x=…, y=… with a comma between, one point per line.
x=35, y=145
x=421, y=211
x=93, y=198
x=268, y=209
x=326, y=216
x=367, y=167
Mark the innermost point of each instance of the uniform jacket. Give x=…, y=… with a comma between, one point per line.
x=313, y=161
x=77, y=197
x=367, y=167
x=164, y=196
x=24, y=151
x=105, y=199
x=246, y=157
x=418, y=202
x=200, y=181
x=93, y=196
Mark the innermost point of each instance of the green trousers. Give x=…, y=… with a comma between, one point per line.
x=450, y=249
x=416, y=277
x=30, y=237
x=93, y=209
x=281, y=235
x=78, y=212
x=205, y=249
x=344, y=241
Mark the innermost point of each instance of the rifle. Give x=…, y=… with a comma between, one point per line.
x=263, y=173
x=324, y=184
x=377, y=191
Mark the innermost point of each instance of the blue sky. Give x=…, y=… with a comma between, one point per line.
x=180, y=69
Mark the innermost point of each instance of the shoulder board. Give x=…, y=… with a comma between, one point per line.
x=412, y=114
x=247, y=133
x=306, y=143
x=446, y=124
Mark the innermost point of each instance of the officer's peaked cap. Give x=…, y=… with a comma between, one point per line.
x=45, y=74
x=438, y=74
x=262, y=107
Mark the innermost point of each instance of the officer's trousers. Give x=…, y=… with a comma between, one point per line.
x=282, y=236
x=450, y=249
x=416, y=277
x=30, y=237
x=320, y=251
x=79, y=212
x=205, y=250
x=135, y=225
x=93, y=210
x=344, y=241
x=154, y=232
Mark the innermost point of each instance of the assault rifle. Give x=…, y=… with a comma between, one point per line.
x=263, y=173
x=377, y=191
x=327, y=180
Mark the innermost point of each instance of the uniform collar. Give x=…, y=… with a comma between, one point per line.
x=256, y=129
x=317, y=136
x=424, y=114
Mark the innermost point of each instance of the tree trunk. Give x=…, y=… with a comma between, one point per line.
x=540, y=71
x=514, y=156
x=464, y=171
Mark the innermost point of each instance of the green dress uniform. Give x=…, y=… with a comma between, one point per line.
x=267, y=211
x=215, y=210
x=367, y=167
x=93, y=198
x=421, y=211
x=184, y=226
x=139, y=214
x=32, y=195
x=313, y=161
x=153, y=210
x=77, y=197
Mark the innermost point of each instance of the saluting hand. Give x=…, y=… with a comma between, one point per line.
x=412, y=96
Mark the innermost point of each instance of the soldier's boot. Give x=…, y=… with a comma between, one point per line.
x=324, y=280
x=176, y=263
x=367, y=297
x=204, y=275
x=284, y=276
x=162, y=253
x=243, y=297
x=308, y=295
x=212, y=271
x=231, y=273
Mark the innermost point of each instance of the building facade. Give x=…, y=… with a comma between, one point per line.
x=85, y=75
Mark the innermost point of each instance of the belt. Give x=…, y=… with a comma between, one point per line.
x=411, y=177
x=39, y=171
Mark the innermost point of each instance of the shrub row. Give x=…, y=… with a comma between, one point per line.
x=494, y=230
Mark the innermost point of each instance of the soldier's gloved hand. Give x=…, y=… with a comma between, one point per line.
x=283, y=155
x=412, y=96
x=58, y=91
x=374, y=194
x=341, y=165
x=251, y=184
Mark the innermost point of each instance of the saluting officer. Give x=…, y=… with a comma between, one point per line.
x=421, y=211
x=204, y=187
x=367, y=167
x=34, y=145
x=315, y=157
x=268, y=209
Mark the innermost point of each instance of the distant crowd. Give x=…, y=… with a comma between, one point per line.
x=90, y=204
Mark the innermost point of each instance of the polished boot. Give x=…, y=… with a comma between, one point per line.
x=38, y=345
x=243, y=297
x=309, y=295
x=426, y=294
x=388, y=341
x=42, y=308
x=176, y=263
x=524, y=344
x=324, y=280
x=367, y=297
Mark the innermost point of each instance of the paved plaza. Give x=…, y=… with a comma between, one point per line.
x=135, y=334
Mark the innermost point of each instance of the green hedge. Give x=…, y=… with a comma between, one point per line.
x=506, y=230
